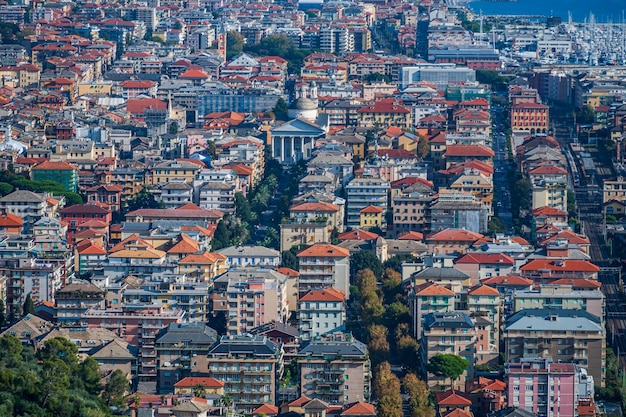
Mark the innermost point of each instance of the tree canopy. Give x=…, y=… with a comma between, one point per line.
x=365, y=260
x=447, y=365
x=50, y=383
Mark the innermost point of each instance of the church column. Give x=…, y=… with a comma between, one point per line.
x=282, y=149
x=293, y=149
x=302, y=148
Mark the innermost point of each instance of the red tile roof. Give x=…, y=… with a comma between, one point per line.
x=371, y=209
x=483, y=290
x=430, y=288
x=54, y=166
x=395, y=154
x=186, y=244
x=288, y=272
x=412, y=235
x=140, y=105
x=315, y=206
x=454, y=235
x=323, y=250
x=358, y=234
x=548, y=211
x=548, y=170
x=468, y=150
x=327, y=294
x=514, y=280
x=452, y=397
x=10, y=220
x=567, y=265
x=359, y=409
x=190, y=382
x=486, y=258
x=267, y=409
x=577, y=283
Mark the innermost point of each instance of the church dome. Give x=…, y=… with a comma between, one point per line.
x=303, y=103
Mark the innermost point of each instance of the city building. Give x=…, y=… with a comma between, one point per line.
x=321, y=312
x=323, y=266
x=547, y=388
x=249, y=366
x=565, y=336
x=176, y=346
x=447, y=333
x=335, y=369
x=61, y=172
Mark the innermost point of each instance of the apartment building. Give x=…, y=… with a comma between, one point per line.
x=73, y=300
x=168, y=171
x=249, y=366
x=447, y=333
x=546, y=388
x=335, y=369
x=138, y=324
x=574, y=336
x=428, y=297
x=321, y=312
x=362, y=192
x=251, y=298
x=322, y=266
x=560, y=297
x=177, y=345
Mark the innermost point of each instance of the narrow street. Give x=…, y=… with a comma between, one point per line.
x=501, y=165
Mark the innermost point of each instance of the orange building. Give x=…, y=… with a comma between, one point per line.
x=530, y=117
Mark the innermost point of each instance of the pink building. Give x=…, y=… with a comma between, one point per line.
x=546, y=388
x=138, y=324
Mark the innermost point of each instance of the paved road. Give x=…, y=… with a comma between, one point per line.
x=501, y=165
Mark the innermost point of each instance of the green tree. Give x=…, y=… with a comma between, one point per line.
x=29, y=306
x=280, y=109
x=447, y=365
x=243, y=210
x=387, y=389
x=234, y=43
x=90, y=375
x=377, y=343
x=3, y=314
x=289, y=260
x=585, y=115
x=5, y=188
x=408, y=352
x=365, y=260
x=521, y=194
x=376, y=77
x=495, y=225
x=392, y=285
x=62, y=349
x=423, y=147
x=365, y=280
x=395, y=262
x=417, y=390
x=116, y=389
x=173, y=129
x=571, y=203
x=199, y=391
x=221, y=236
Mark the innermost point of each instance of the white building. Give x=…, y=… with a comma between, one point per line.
x=321, y=312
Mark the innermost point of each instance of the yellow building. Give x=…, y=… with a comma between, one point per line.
x=371, y=216
x=188, y=386
x=385, y=113
x=21, y=76
x=475, y=183
x=204, y=266
x=169, y=171
x=95, y=88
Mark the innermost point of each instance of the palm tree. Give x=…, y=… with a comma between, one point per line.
x=227, y=401
x=199, y=391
